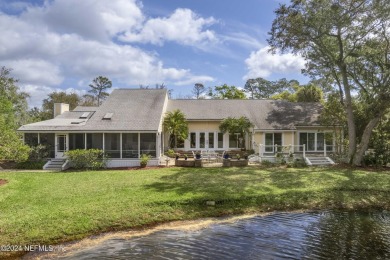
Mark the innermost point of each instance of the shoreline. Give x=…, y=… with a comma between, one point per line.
x=189, y=225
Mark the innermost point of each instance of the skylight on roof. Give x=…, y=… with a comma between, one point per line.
x=108, y=116
x=85, y=115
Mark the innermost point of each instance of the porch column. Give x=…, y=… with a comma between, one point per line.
x=158, y=145
x=104, y=146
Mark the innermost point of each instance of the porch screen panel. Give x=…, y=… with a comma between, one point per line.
x=112, y=145
x=193, y=140
x=148, y=144
x=220, y=140
x=31, y=139
x=310, y=141
x=320, y=141
x=211, y=140
x=95, y=141
x=76, y=141
x=302, y=140
x=48, y=140
x=130, y=145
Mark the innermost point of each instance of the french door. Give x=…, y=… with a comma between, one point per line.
x=206, y=140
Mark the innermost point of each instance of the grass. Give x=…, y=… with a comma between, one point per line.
x=49, y=208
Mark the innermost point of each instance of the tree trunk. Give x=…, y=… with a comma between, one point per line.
x=349, y=112
x=357, y=160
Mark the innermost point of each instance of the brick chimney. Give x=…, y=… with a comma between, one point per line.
x=60, y=108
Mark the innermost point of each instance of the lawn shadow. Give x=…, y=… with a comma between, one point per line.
x=210, y=182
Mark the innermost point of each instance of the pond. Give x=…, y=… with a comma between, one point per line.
x=313, y=235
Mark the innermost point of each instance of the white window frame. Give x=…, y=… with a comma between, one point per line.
x=273, y=140
x=315, y=139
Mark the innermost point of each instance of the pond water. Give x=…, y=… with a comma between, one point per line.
x=314, y=235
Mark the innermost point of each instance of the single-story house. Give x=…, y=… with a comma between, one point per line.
x=130, y=123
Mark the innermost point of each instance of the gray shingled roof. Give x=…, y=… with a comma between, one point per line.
x=133, y=110
x=141, y=110
x=264, y=114
x=86, y=109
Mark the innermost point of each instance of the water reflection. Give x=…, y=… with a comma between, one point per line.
x=317, y=235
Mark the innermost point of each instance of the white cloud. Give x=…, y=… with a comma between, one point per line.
x=35, y=71
x=262, y=63
x=183, y=26
x=74, y=41
x=98, y=20
x=37, y=93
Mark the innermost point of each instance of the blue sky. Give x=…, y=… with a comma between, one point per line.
x=64, y=44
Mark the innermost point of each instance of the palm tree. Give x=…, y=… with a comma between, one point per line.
x=176, y=125
x=233, y=125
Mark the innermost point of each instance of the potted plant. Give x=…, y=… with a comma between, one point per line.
x=238, y=156
x=198, y=155
x=185, y=157
x=245, y=156
x=144, y=160
x=177, y=156
x=226, y=156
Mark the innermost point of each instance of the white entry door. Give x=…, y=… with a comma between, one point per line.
x=61, y=145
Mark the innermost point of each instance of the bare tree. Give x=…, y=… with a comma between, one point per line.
x=198, y=90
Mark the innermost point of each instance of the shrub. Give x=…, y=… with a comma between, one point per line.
x=266, y=163
x=87, y=159
x=251, y=151
x=39, y=152
x=30, y=165
x=144, y=159
x=299, y=163
x=170, y=153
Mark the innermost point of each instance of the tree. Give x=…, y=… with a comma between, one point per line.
x=226, y=92
x=98, y=88
x=262, y=88
x=309, y=93
x=12, y=102
x=198, y=90
x=12, y=93
x=285, y=95
x=73, y=99
x=176, y=126
x=240, y=125
x=304, y=93
x=346, y=41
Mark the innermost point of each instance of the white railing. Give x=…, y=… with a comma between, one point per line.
x=286, y=149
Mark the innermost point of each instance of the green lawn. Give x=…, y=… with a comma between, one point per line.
x=49, y=208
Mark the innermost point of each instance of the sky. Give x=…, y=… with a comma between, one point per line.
x=62, y=45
